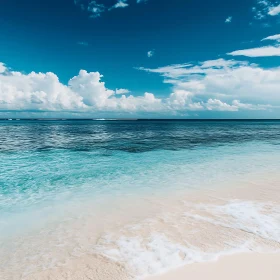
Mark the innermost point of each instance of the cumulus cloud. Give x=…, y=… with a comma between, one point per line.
x=89, y=87
x=228, y=20
x=36, y=91
x=214, y=85
x=218, y=105
x=83, y=93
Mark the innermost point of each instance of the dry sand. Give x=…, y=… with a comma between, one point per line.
x=242, y=267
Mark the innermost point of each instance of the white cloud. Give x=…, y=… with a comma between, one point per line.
x=90, y=88
x=2, y=67
x=36, y=91
x=181, y=71
x=261, y=9
x=170, y=71
x=120, y=4
x=95, y=9
x=235, y=105
x=215, y=85
x=83, y=93
x=259, y=14
x=122, y=91
x=265, y=8
x=258, y=52
x=219, y=84
x=265, y=51
x=228, y=20
x=274, y=11
x=218, y=105
x=150, y=53
x=221, y=63
x=274, y=38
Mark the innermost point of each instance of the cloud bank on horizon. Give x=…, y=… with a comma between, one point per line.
x=215, y=85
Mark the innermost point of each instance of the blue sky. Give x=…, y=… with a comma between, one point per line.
x=149, y=58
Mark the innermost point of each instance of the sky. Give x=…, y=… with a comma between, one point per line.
x=140, y=58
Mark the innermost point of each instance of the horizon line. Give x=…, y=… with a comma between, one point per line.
x=140, y=119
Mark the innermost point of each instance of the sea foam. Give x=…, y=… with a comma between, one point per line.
x=244, y=226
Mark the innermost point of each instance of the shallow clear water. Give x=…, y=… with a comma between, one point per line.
x=45, y=164
x=45, y=161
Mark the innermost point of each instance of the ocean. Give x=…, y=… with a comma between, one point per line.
x=134, y=197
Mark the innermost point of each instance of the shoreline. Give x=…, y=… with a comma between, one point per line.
x=164, y=233
x=244, y=266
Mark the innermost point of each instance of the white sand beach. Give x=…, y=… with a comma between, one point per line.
x=213, y=233
x=243, y=267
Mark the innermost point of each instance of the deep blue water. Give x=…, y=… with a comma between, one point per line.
x=131, y=136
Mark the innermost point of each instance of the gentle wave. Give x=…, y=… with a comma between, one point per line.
x=240, y=226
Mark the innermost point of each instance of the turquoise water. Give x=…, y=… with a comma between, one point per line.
x=46, y=162
x=51, y=171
